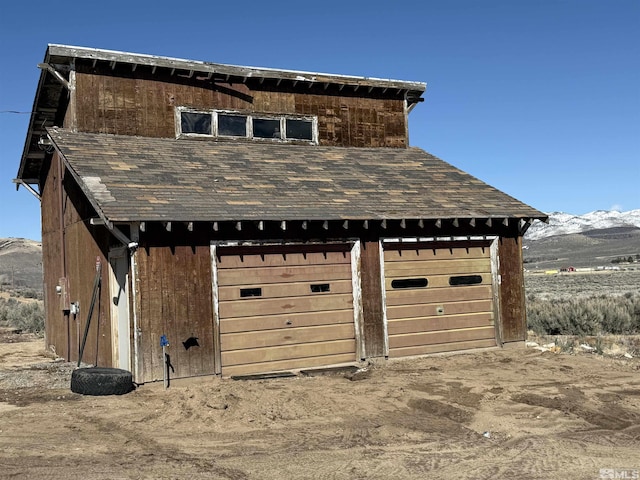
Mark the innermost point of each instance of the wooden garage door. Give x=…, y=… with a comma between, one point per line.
x=438, y=297
x=285, y=308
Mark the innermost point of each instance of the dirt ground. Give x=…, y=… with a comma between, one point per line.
x=498, y=414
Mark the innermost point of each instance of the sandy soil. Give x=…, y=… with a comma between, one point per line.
x=499, y=414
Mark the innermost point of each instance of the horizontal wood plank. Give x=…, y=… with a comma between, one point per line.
x=288, y=352
x=250, y=307
x=412, y=296
x=304, y=319
x=431, y=324
x=252, y=276
x=447, y=336
x=279, y=290
x=441, y=347
x=439, y=267
x=391, y=255
x=225, y=262
x=286, y=336
x=295, y=364
x=431, y=310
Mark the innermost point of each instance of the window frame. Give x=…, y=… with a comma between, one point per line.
x=249, y=117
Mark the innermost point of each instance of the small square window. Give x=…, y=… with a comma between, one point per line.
x=299, y=129
x=266, y=128
x=232, y=125
x=198, y=123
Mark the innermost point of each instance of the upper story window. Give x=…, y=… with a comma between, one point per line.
x=221, y=124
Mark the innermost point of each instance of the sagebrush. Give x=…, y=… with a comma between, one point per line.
x=25, y=316
x=595, y=315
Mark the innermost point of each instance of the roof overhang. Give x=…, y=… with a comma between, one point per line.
x=270, y=188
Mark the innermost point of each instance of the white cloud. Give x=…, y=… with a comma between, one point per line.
x=616, y=207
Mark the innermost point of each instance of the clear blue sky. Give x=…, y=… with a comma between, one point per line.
x=540, y=99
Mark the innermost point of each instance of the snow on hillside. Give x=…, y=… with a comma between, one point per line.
x=563, y=223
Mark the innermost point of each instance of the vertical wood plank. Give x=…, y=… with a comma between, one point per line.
x=372, y=305
x=513, y=321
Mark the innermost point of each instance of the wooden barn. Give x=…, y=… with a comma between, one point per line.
x=261, y=220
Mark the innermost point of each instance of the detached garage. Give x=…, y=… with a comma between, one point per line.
x=243, y=216
x=282, y=307
x=439, y=296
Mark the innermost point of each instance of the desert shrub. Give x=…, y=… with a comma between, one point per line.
x=585, y=316
x=26, y=316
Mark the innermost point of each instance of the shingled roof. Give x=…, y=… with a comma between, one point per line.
x=129, y=179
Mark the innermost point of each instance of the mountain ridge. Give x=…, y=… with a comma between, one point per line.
x=561, y=223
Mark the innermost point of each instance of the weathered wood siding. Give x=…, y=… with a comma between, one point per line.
x=84, y=244
x=72, y=252
x=512, y=295
x=56, y=323
x=135, y=103
x=174, y=298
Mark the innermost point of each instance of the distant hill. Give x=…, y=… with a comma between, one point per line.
x=590, y=240
x=561, y=223
x=20, y=264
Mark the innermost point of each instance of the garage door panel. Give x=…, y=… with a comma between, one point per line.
x=277, y=259
x=431, y=309
x=393, y=255
x=431, y=324
x=271, y=306
x=437, y=281
x=432, y=338
x=296, y=363
x=278, y=290
x=437, y=295
x=396, y=269
x=273, y=322
x=286, y=352
x=441, y=347
x=286, y=336
x=283, y=274
x=284, y=309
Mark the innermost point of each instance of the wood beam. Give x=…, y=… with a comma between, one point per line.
x=57, y=75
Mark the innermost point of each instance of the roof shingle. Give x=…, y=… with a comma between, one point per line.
x=158, y=179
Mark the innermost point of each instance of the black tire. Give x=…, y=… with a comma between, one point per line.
x=101, y=381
